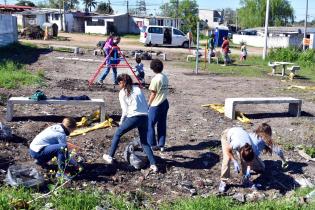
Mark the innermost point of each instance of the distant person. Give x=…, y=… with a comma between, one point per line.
x=158, y=106
x=134, y=115
x=139, y=70
x=226, y=50
x=189, y=36
x=211, y=45
x=52, y=142
x=112, y=60
x=243, y=52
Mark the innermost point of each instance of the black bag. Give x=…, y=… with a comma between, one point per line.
x=134, y=154
x=38, y=95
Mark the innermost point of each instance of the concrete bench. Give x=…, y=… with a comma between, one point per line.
x=294, y=69
x=194, y=57
x=75, y=49
x=213, y=58
x=98, y=51
x=294, y=104
x=26, y=100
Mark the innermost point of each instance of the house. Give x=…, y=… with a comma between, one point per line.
x=71, y=21
x=10, y=9
x=211, y=18
x=125, y=23
x=8, y=29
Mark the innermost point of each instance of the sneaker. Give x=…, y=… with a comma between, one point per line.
x=222, y=187
x=63, y=176
x=154, y=168
x=100, y=82
x=155, y=148
x=108, y=159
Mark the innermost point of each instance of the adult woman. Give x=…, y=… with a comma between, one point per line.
x=134, y=115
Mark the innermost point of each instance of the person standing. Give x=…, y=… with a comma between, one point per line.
x=211, y=46
x=134, y=115
x=243, y=52
x=112, y=59
x=225, y=50
x=158, y=106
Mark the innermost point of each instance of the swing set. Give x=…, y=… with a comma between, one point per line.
x=119, y=56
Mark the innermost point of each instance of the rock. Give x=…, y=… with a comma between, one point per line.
x=255, y=196
x=193, y=192
x=303, y=182
x=99, y=208
x=239, y=197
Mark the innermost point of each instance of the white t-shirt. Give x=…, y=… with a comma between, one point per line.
x=159, y=84
x=238, y=137
x=132, y=105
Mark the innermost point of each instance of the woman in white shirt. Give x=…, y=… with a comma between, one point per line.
x=134, y=115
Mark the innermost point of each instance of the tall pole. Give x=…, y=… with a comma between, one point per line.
x=197, y=49
x=305, y=25
x=127, y=6
x=60, y=14
x=266, y=30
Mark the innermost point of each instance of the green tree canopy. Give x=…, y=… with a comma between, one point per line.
x=252, y=13
x=89, y=4
x=25, y=3
x=187, y=11
x=104, y=8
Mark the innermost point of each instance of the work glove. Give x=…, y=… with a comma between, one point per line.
x=236, y=166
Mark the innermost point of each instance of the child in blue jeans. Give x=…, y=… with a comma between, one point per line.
x=158, y=106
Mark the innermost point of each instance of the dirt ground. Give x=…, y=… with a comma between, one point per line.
x=192, y=161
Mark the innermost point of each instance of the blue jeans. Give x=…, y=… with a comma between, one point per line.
x=106, y=71
x=140, y=122
x=50, y=151
x=158, y=115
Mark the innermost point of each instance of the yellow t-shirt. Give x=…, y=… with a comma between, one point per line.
x=159, y=84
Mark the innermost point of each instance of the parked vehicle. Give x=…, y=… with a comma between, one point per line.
x=163, y=35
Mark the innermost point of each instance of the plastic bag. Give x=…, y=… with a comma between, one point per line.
x=5, y=131
x=38, y=95
x=23, y=175
x=134, y=154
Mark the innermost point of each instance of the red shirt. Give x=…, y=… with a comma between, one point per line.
x=225, y=46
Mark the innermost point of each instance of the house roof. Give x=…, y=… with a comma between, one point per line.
x=14, y=7
x=281, y=30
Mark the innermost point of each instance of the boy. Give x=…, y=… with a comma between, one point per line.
x=139, y=70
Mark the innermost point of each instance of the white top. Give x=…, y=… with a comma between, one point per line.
x=133, y=105
x=238, y=137
x=54, y=134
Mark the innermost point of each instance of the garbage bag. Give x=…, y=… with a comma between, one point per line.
x=5, y=131
x=135, y=155
x=23, y=175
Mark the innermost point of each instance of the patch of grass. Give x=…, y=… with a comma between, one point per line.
x=131, y=36
x=14, y=75
x=310, y=151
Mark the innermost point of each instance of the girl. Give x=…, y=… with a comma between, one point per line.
x=243, y=52
x=134, y=115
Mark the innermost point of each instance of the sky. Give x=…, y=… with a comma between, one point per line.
x=153, y=6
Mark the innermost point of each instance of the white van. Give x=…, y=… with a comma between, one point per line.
x=163, y=35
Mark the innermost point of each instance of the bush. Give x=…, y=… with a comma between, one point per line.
x=306, y=58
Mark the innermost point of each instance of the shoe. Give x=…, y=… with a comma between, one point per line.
x=63, y=176
x=108, y=159
x=100, y=82
x=222, y=187
x=154, y=168
x=155, y=148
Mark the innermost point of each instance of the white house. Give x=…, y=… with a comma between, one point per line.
x=211, y=17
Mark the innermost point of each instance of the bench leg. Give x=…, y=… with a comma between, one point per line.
x=229, y=110
x=102, y=108
x=273, y=70
x=9, y=111
x=295, y=109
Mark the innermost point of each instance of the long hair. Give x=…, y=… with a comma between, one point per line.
x=128, y=82
x=247, y=152
x=264, y=132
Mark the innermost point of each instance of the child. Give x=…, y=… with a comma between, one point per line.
x=139, y=71
x=243, y=52
x=158, y=106
x=134, y=115
x=111, y=61
x=52, y=142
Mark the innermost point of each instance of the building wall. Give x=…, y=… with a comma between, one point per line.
x=8, y=29
x=272, y=42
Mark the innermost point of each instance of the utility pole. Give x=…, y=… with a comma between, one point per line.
x=176, y=20
x=197, y=49
x=305, y=25
x=266, y=30
x=5, y=2
x=127, y=6
x=60, y=14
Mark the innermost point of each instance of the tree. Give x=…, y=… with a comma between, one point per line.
x=281, y=13
x=186, y=10
x=104, y=8
x=25, y=3
x=89, y=4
